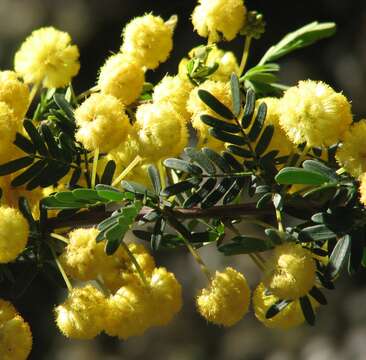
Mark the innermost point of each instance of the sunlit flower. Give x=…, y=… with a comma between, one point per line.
x=227, y=298
x=148, y=40
x=314, y=113
x=290, y=273
x=47, y=56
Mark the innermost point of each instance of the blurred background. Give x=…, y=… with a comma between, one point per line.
x=95, y=27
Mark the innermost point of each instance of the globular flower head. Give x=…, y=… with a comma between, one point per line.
x=82, y=315
x=15, y=339
x=351, y=154
x=197, y=107
x=121, y=77
x=102, y=122
x=279, y=140
x=47, y=56
x=226, y=61
x=129, y=311
x=314, y=113
x=289, y=317
x=362, y=189
x=166, y=296
x=162, y=131
x=118, y=270
x=211, y=18
x=15, y=334
x=14, y=93
x=7, y=311
x=290, y=273
x=227, y=298
x=8, y=130
x=174, y=90
x=14, y=231
x=148, y=40
x=83, y=256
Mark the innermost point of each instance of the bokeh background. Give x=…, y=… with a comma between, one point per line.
x=340, y=61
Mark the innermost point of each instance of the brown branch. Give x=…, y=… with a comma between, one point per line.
x=95, y=216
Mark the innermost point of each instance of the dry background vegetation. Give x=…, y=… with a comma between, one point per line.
x=341, y=61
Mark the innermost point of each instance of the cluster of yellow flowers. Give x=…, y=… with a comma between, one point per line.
x=131, y=298
x=131, y=307
x=127, y=293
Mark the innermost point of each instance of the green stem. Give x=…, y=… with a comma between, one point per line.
x=257, y=259
x=127, y=170
x=88, y=92
x=186, y=235
x=95, y=165
x=61, y=269
x=279, y=220
x=136, y=264
x=60, y=237
x=341, y=171
x=244, y=59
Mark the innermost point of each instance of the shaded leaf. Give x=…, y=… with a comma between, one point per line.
x=154, y=178
x=235, y=94
x=227, y=137
x=307, y=310
x=108, y=173
x=15, y=165
x=257, y=126
x=264, y=140
x=338, y=257
x=215, y=104
x=35, y=137
x=220, y=124
x=248, y=109
x=24, y=144
x=183, y=166
x=201, y=159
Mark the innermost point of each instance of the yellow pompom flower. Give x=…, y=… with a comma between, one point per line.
x=197, y=107
x=175, y=91
x=148, y=40
x=82, y=315
x=102, y=122
x=362, y=189
x=289, y=317
x=351, y=155
x=314, y=113
x=129, y=311
x=136, y=306
x=212, y=18
x=15, y=339
x=83, y=257
x=162, y=131
x=8, y=129
x=121, y=77
x=118, y=270
x=47, y=56
x=166, y=296
x=227, y=298
x=14, y=93
x=7, y=311
x=290, y=273
x=14, y=231
x=227, y=64
x=279, y=140
x=15, y=334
